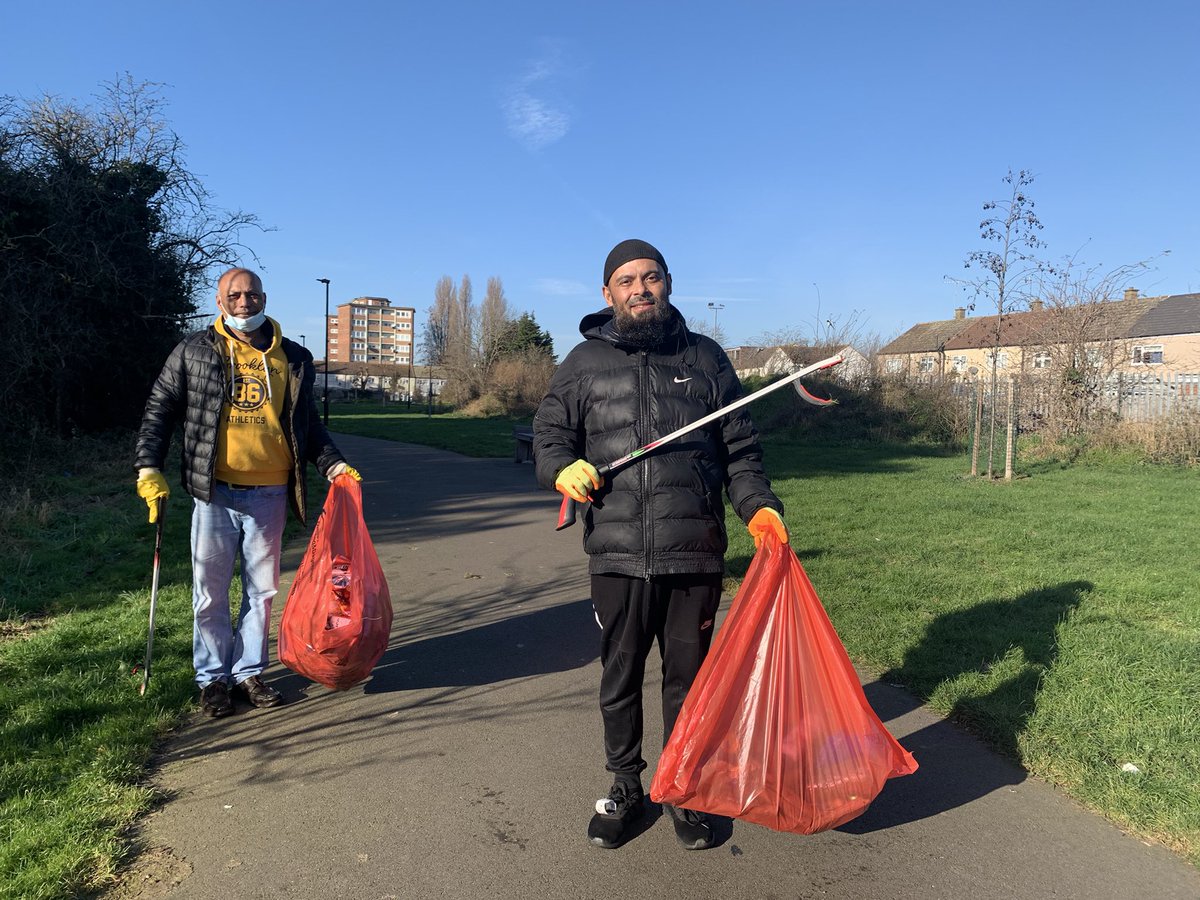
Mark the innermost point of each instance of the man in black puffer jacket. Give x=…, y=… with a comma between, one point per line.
x=655, y=530
x=244, y=395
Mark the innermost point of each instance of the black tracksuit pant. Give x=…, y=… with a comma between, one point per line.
x=678, y=611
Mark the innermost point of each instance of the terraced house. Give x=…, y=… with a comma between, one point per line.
x=1135, y=336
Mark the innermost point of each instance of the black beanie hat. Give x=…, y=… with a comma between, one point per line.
x=629, y=250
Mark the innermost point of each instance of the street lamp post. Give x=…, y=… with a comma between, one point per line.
x=325, y=281
x=303, y=342
x=714, y=307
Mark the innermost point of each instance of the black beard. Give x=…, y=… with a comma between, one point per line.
x=646, y=330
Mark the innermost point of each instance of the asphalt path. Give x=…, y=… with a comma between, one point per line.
x=468, y=764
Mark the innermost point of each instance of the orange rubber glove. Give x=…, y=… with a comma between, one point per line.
x=578, y=480
x=767, y=521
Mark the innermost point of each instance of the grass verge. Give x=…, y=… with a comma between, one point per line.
x=75, y=735
x=470, y=437
x=1055, y=616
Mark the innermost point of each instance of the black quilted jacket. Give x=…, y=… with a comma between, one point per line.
x=664, y=513
x=191, y=389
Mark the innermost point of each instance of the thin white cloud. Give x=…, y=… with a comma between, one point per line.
x=532, y=118
x=561, y=287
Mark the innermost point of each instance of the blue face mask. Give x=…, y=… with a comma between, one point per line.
x=246, y=325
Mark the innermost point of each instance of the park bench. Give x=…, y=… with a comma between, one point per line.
x=523, y=435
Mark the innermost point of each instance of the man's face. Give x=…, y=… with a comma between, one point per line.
x=639, y=292
x=241, y=294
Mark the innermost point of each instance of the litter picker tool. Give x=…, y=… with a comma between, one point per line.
x=566, y=511
x=158, y=533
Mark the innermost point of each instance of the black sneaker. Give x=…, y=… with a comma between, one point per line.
x=214, y=700
x=622, y=806
x=260, y=694
x=691, y=827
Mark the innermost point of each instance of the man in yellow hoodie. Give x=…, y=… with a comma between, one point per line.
x=244, y=394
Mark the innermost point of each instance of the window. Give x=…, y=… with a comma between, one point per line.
x=358, y=345
x=1000, y=358
x=894, y=365
x=958, y=364
x=405, y=326
x=401, y=359
x=925, y=365
x=358, y=334
x=405, y=313
x=358, y=357
x=1041, y=360
x=1147, y=355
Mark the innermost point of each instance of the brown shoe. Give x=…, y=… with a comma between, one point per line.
x=258, y=693
x=214, y=700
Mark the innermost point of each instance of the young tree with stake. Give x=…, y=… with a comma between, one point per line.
x=1007, y=273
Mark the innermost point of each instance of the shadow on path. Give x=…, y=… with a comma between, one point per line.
x=554, y=639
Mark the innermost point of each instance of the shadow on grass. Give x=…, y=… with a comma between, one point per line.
x=956, y=767
x=787, y=458
x=976, y=640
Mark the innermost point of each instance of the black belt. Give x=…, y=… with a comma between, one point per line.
x=239, y=487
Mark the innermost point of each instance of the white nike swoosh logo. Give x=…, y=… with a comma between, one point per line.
x=679, y=380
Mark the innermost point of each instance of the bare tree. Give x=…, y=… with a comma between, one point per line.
x=1008, y=274
x=1080, y=335
x=494, y=319
x=108, y=241
x=716, y=332
x=435, y=340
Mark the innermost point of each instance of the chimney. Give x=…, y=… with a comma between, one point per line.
x=1131, y=293
x=1036, y=305
x=960, y=312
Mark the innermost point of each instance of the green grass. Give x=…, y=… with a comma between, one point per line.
x=471, y=437
x=75, y=735
x=1055, y=616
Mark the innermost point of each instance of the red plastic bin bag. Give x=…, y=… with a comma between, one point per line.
x=776, y=729
x=338, y=613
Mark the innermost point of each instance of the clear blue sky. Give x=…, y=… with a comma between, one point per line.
x=775, y=152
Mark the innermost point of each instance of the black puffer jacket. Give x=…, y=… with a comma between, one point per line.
x=192, y=388
x=664, y=513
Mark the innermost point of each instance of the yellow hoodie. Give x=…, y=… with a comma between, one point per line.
x=251, y=448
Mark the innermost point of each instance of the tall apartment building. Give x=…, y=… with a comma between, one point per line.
x=371, y=330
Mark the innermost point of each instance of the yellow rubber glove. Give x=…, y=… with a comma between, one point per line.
x=767, y=521
x=578, y=480
x=152, y=487
x=343, y=469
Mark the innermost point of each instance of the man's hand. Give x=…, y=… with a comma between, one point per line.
x=343, y=469
x=767, y=521
x=152, y=487
x=578, y=480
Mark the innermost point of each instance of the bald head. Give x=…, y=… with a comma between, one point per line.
x=223, y=281
x=240, y=295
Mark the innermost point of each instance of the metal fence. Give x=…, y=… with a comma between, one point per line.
x=1125, y=397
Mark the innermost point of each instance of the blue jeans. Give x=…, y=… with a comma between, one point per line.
x=246, y=523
